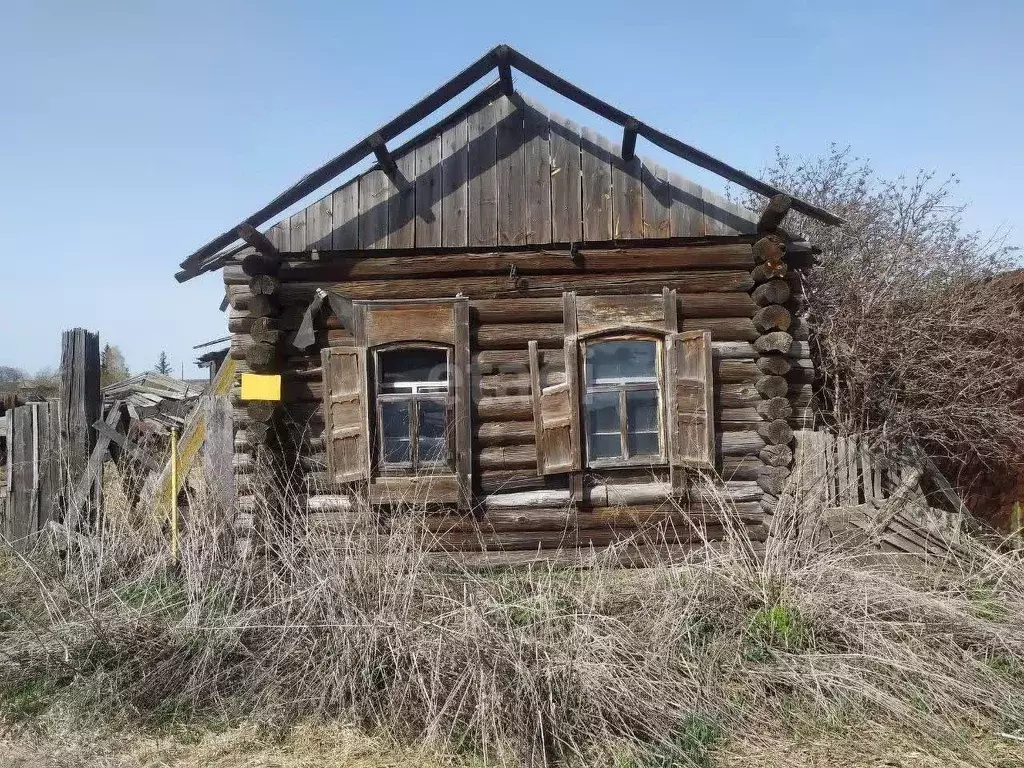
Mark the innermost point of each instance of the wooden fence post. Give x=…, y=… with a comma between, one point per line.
x=81, y=404
x=218, y=452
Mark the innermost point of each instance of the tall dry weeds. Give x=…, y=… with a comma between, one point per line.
x=533, y=666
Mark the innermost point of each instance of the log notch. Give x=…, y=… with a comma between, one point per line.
x=264, y=354
x=773, y=321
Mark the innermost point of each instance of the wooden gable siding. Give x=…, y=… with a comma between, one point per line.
x=509, y=173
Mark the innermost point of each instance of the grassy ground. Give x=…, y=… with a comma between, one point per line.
x=294, y=653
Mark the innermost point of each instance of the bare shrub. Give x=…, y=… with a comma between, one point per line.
x=532, y=666
x=915, y=341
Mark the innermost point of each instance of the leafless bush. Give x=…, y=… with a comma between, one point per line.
x=595, y=667
x=915, y=341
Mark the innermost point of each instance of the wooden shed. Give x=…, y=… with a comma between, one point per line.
x=522, y=324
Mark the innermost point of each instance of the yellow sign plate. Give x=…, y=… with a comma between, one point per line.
x=257, y=386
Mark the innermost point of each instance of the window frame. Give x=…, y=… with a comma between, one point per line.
x=658, y=386
x=413, y=466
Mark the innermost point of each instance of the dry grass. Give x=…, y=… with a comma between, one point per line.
x=670, y=665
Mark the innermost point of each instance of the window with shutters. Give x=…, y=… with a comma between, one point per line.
x=397, y=408
x=626, y=389
x=623, y=401
x=413, y=408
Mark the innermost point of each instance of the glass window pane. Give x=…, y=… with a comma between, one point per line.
x=643, y=444
x=642, y=410
x=603, y=433
x=609, y=362
x=412, y=369
x=433, y=446
x=395, y=439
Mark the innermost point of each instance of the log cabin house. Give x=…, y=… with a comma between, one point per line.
x=529, y=328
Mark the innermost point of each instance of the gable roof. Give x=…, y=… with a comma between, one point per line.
x=501, y=170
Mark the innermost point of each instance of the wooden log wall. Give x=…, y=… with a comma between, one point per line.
x=514, y=297
x=779, y=385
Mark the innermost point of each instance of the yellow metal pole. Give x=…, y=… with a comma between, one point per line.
x=174, y=495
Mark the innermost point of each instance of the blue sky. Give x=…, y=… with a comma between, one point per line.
x=133, y=132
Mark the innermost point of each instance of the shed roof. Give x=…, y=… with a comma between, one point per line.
x=501, y=170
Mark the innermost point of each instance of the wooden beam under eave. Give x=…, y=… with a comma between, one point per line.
x=774, y=213
x=257, y=240
x=384, y=157
x=629, y=140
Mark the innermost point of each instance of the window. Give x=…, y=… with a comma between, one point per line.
x=413, y=408
x=623, y=401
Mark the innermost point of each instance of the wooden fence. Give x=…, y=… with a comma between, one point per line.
x=55, y=451
x=33, y=477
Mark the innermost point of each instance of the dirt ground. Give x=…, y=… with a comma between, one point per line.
x=339, y=745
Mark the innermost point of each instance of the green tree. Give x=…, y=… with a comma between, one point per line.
x=112, y=365
x=163, y=365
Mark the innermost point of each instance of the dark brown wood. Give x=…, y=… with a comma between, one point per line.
x=769, y=270
x=263, y=246
x=770, y=249
x=773, y=213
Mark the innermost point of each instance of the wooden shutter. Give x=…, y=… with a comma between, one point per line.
x=555, y=409
x=345, y=416
x=690, y=396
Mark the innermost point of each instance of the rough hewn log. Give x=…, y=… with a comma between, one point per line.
x=773, y=479
x=507, y=457
x=774, y=213
x=769, y=248
x=257, y=264
x=529, y=286
x=776, y=341
x=769, y=504
x=264, y=285
x=776, y=432
x=505, y=408
x=772, y=318
x=774, y=364
x=256, y=433
x=769, y=270
x=516, y=335
x=772, y=386
x=260, y=410
x=746, y=443
x=261, y=357
x=262, y=306
x=504, y=433
x=339, y=266
x=722, y=328
x=772, y=292
x=774, y=408
x=776, y=455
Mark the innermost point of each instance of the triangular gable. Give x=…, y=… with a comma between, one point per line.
x=505, y=172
